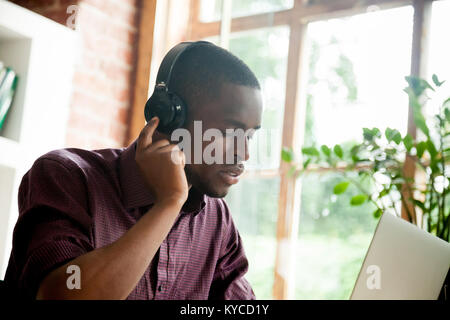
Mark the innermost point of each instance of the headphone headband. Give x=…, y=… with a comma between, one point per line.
x=169, y=61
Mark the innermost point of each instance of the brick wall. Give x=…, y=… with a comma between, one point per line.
x=103, y=80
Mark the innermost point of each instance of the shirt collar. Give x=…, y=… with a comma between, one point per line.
x=135, y=193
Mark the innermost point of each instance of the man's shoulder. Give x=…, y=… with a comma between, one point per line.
x=80, y=159
x=64, y=177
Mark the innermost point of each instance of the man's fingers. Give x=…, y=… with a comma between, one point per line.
x=145, y=137
x=169, y=148
x=177, y=156
x=159, y=144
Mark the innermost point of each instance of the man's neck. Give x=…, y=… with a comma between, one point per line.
x=194, y=200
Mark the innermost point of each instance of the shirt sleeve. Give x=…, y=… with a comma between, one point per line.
x=53, y=225
x=228, y=281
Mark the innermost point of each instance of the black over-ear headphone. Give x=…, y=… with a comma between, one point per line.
x=165, y=104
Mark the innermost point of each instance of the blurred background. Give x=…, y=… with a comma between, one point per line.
x=327, y=68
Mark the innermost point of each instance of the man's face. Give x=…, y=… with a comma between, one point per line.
x=236, y=107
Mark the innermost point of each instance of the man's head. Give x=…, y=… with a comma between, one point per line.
x=223, y=93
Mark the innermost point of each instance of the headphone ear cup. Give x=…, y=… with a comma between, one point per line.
x=179, y=112
x=147, y=110
x=160, y=105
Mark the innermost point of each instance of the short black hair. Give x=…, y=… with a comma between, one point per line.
x=202, y=69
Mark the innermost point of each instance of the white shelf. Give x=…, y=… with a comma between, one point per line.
x=15, y=53
x=42, y=52
x=10, y=151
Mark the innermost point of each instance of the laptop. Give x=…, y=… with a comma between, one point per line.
x=403, y=262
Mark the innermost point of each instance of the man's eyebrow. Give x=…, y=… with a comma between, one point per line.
x=239, y=124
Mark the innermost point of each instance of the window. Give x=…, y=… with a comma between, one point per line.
x=332, y=240
x=254, y=205
x=254, y=201
x=210, y=10
x=324, y=62
x=439, y=49
x=347, y=89
x=356, y=75
x=268, y=59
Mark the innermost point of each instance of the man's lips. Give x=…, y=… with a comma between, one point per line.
x=234, y=170
x=231, y=175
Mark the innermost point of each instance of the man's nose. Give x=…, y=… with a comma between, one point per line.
x=242, y=154
x=247, y=152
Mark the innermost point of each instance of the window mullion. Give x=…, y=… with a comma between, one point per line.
x=422, y=17
x=289, y=198
x=225, y=24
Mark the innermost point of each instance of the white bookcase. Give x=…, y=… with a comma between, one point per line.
x=43, y=53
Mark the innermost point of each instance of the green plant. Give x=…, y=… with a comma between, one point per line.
x=381, y=158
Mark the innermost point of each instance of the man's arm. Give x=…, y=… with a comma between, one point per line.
x=113, y=271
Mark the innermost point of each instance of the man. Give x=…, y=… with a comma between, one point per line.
x=142, y=222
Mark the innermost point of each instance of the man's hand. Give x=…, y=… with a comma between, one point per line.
x=162, y=166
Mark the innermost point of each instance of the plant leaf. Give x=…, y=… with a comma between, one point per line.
x=420, y=147
x=287, y=154
x=436, y=81
x=358, y=200
x=311, y=151
x=447, y=112
x=370, y=134
x=306, y=163
x=420, y=122
x=393, y=135
x=377, y=213
x=341, y=187
x=383, y=193
x=367, y=134
x=408, y=142
x=388, y=134
x=420, y=204
x=397, y=138
x=354, y=150
x=418, y=85
x=431, y=149
x=326, y=150
x=433, y=205
x=338, y=151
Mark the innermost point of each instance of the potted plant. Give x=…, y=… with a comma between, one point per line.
x=381, y=157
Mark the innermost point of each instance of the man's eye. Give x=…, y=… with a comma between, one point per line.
x=235, y=133
x=251, y=134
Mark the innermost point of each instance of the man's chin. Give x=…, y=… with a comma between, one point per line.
x=212, y=186
x=216, y=192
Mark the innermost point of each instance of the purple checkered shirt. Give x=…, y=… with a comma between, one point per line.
x=73, y=201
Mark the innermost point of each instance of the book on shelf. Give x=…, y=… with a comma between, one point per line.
x=8, y=85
